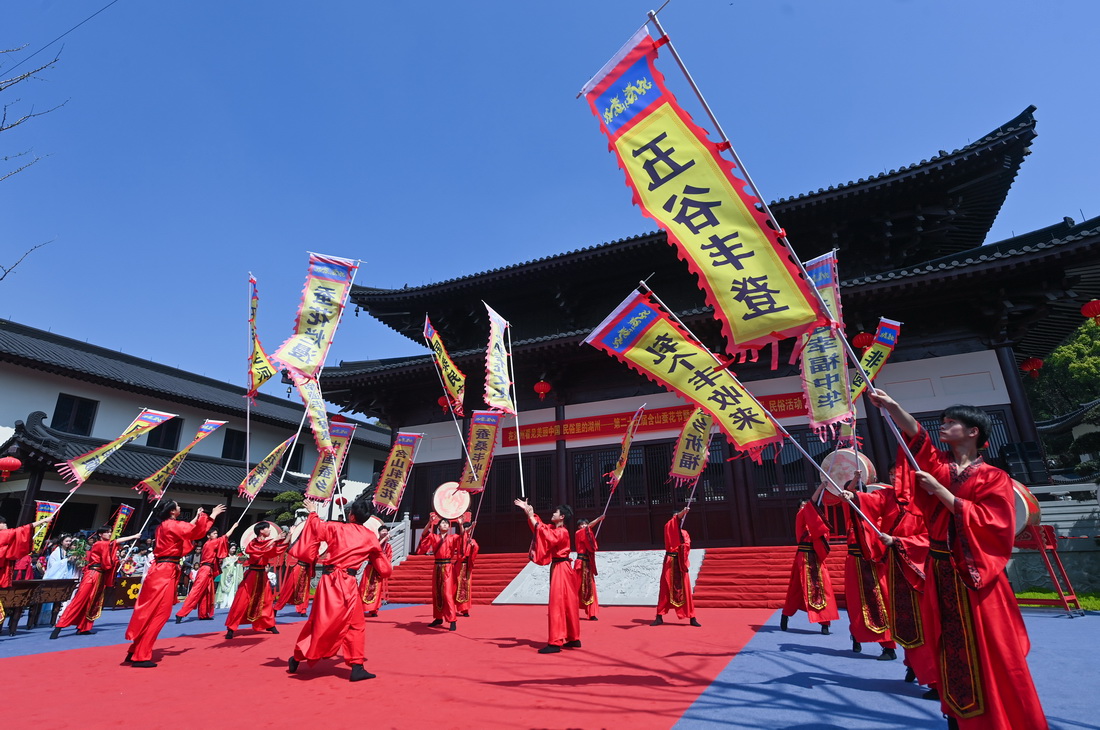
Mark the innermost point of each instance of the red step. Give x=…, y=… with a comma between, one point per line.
x=756, y=577
x=411, y=581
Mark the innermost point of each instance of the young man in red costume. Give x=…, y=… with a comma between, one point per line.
x=253, y=602
x=810, y=588
x=172, y=540
x=201, y=595
x=550, y=546
x=101, y=564
x=373, y=586
x=465, y=554
x=335, y=624
x=971, y=614
x=294, y=587
x=16, y=544
x=675, y=589
x=444, y=547
x=586, y=567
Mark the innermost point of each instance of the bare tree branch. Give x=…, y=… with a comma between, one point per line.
x=8, y=269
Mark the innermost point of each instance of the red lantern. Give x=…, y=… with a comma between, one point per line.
x=863, y=340
x=542, y=388
x=444, y=403
x=1092, y=309
x=340, y=501
x=1031, y=366
x=8, y=464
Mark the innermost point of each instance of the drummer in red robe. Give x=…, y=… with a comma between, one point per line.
x=810, y=588
x=201, y=595
x=101, y=564
x=465, y=554
x=172, y=540
x=373, y=586
x=675, y=592
x=15, y=544
x=586, y=567
x=971, y=615
x=253, y=601
x=335, y=624
x=550, y=546
x=443, y=546
x=297, y=571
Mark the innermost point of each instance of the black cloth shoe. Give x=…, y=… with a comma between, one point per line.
x=593, y=618
x=272, y=630
x=657, y=621
x=465, y=614
x=574, y=644
x=229, y=633
x=825, y=629
x=143, y=665
x=856, y=646
x=292, y=665
x=359, y=673
x=437, y=622
x=208, y=618
x=783, y=622
x=56, y=632
x=695, y=621
x=372, y=614
x=910, y=675
x=887, y=655
x=84, y=633
x=129, y=658
x=179, y=619
x=453, y=626
x=932, y=694
x=550, y=649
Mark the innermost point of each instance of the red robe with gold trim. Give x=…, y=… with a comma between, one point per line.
x=335, y=624
x=14, y=544
x=253, y=602
x=373, y=587
x=158, y=588
x=463, y=568
x=586, y=571
x=971, y=615
x=443, y=547
x=675, y=580
x=101, y=562
x=550, y=546
x=811, y=588
x=201, y=595
x=865, y=589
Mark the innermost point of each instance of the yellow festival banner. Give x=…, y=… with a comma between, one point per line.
x=42, y=510
x=886, y=336
x=120, y=520
x=256, y=478
x=682, y=182
x=327, y=284
x=823, y=360
x=480, y=445
x=641, y=334
x=454, y=381
x=80, y=468
x=260, y=368
x=310, y=391
x=692, y=449
x=326, y=471
x=616, y=474
x=395, y=474
x=498, y=384
x=154, y=485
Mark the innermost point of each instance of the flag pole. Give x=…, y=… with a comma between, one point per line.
x=454, y=416
x=512, y=387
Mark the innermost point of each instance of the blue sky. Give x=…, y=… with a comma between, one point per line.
x=201, y=140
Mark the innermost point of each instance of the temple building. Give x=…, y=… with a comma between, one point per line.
x=911, y=247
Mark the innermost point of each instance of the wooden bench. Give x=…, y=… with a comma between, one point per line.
x=30, y=595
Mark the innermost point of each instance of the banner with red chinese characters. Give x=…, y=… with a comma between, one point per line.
x=692, y=449
x=154, y=485
x=254, y=482
x=498, y=381
x=616, y=474
x=81, y=467
x=41, y=511
x=260, y=368
x=641, y=334
x=681, y=181
x=327, y=284
x=120, y=520
x=395, y=474
x=326, y=472
x=480, y=445
x=824, y=365
x=454, y=380
x=886, y=337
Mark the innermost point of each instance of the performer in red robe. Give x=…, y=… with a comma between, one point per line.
x=101, y=564
x=550, y=546
x=971, y=614
x=336, y=624
x=443, y=546
x=675, y=589
x=173, y=539
x=465, y=554
x=253, y=601
x=864, y=582
x=373, y=586
x=294, y=587
x=15, y=544
x=201, y=595
x=903, y=549
x=586, y=567
x=811, y=588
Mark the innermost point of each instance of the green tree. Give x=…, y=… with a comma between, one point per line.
x=1070, y=377
x=289, y=501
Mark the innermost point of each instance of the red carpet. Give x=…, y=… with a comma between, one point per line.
x=487, y=674
x=412, y=580
x=756, y=577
